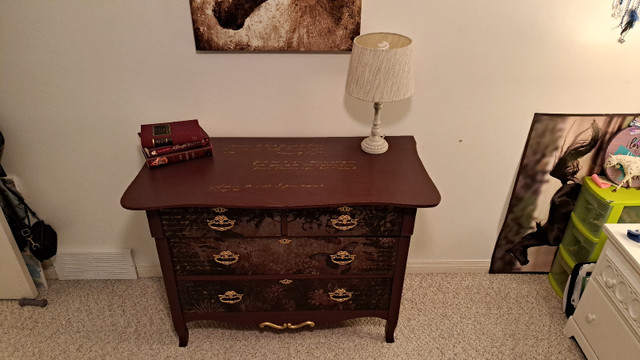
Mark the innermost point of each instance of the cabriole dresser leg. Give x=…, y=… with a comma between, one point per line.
x=183, y=336
x=389, y=330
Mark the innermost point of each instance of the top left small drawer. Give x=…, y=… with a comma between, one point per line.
x=200, y=222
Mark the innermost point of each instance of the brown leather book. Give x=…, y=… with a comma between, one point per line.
x=155, y=161
x=171, y=133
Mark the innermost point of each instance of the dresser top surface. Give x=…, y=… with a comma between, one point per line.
x=288, y=173
x=617, y=233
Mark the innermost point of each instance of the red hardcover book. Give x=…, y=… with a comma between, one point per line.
x=150, y=152
x=171, y=133
x=155, y=161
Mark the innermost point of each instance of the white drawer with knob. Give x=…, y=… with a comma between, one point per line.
x=608, y=334
x=606, y=323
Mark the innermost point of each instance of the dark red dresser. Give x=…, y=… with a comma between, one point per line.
x=285, y=233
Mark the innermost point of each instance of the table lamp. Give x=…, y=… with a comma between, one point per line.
x=381, y=70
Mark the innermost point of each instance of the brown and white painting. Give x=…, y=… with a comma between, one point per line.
x=275, y=25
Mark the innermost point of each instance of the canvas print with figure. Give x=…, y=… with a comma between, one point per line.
x=275, y=25
x=560, y=151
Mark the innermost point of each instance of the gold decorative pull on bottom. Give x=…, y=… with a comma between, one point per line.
x=287, y=325
x=342, y=257
x=226, y=258
x=340, y=295
x=230, y=297
x=306, y=323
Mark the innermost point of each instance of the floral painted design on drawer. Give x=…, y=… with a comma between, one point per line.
x=346, y=221
x=285, y=295
x=263, y=256
x=200, y=222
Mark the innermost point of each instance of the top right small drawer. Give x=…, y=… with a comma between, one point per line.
x=346, y=221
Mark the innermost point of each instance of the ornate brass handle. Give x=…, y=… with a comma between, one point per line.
x=221, y=223
x=287, y=325
x=285, y=241
x=226, y=258
x=344, y=222
x=306, y=323
x=342, y=258
x=340, y=295
x=230, y=297
x=285, y=281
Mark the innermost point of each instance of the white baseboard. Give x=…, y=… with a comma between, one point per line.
x=147, y=271
x=413, y=267
x=448, y=266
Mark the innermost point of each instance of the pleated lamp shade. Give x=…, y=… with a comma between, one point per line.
x=381, y=68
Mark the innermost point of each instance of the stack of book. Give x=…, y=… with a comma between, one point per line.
x=166, y=143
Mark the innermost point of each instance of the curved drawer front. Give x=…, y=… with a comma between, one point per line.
x=285, y=295
x=264, y=256
x=346, y=221
x=200, y=222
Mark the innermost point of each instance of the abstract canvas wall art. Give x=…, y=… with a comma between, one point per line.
x=275, y=25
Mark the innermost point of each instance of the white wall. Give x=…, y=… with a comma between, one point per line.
x=77, y=78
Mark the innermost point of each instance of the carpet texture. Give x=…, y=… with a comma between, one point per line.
x=442, y=316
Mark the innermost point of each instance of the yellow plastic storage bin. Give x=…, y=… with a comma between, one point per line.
x=560, y=270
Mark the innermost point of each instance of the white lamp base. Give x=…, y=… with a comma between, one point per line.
x=374, y=145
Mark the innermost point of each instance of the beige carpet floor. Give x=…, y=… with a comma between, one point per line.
x=443, y=316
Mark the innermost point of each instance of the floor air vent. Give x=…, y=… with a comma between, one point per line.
x=112, y=264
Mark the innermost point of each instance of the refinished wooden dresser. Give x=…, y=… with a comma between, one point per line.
x=284, y=232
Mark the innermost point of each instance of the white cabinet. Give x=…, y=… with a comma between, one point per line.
x=606, y=323
x=15, y=281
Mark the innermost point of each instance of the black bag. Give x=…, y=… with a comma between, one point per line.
x=40, y=238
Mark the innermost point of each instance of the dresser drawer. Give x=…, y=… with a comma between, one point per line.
x=346, y=221
x=618, y=280
x=598, y=320
x=264, y=256
x=285, y=295
x=200, y=222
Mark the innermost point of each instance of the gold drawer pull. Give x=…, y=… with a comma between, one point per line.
x=285, y=241
x=342, y=258
x=340, y=295
x=231, y=297
x=272, y=325
x=344, y=222
x=285, y=281
x=221, y=223
x=306, y=323
x=287, y=325
x=226, y=258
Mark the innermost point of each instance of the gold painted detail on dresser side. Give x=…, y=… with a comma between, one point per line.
x=285, y=241
x=285, y=281
x=230, y=297
x=340, y=295
x=226, y=258
x=287, y=325
x=344, y=223
x=342, y=258
x=221, y=223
